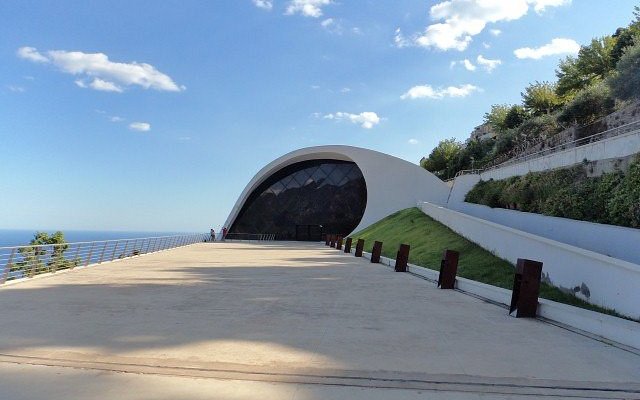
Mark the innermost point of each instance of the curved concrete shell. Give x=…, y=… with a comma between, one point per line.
x=392, y=184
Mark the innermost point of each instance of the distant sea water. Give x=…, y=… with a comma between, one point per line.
x=18, y=237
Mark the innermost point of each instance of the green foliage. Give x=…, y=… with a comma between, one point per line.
x=612, y=198
x=588, y=106
x=592, y=65
x=441, y=157
x=515, y=117
x=497, y=116
x=38, y=259
x=540, y=98
x=626, y=83
x=543, y=126
x=429, y=238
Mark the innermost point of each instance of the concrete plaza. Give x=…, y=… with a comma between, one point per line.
x=283, y=320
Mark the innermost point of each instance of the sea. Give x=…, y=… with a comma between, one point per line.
x=18, y=237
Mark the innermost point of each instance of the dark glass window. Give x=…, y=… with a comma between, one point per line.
x=304, y=200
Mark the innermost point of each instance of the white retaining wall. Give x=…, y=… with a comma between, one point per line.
x=609, y=240
x=614, y=147
x=601, y=280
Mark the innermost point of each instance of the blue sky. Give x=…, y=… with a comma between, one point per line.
x=146, y=115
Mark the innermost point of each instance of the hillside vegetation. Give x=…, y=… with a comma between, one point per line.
x=613, y=198
x=429, y=238
x=602, y=78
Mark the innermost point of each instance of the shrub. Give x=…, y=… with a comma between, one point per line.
x=612, y=198
x=588, y=106
x=625, y=84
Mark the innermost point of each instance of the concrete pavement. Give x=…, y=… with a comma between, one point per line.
x=301, y=320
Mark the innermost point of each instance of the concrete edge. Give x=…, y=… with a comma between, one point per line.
x=616, y=331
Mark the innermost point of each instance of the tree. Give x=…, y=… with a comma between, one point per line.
x=496, y=117
x=37, y=258
x=515, y=117
x=593, y=64
x=625, y=84
x=440, y=158
x=540, y=98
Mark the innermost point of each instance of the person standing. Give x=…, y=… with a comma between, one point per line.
x=213, y=235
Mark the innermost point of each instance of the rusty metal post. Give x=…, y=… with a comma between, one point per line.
x=347, y=245
x=359, y=247
x=402, y=258
x=375, y=252
x=526, y=288
x=339, y=243
x=332, y=242
x=448, y=269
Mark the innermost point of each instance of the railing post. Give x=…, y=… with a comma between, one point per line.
x=104, y=248
x=402, y=258
x=526, y=288
x=115, y=248
x=339, y=243
x=7, y=267
x=359, y=248
x=448, y=269
x=347, y=245
x=90, y=254
x=376, y=251
x=126, y=246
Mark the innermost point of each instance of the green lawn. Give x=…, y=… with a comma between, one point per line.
x=429, y=238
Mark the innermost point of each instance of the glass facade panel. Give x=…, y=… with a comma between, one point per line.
x=304, y=200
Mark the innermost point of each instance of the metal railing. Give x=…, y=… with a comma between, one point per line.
x=251, y=236
x=28, y=261
x=620, y=130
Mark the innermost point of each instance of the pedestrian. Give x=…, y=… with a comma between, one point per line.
x=224, y=233
x=213, y=235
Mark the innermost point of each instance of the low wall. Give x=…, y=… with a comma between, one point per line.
x=614, y=147
x=609, y=240
x=599, y=279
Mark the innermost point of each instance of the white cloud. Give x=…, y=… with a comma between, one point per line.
x=468, y=65
x=315, y=87
x=367, y=119
x=400, y=40
x=16, y=89
x=486, y=45
x=307, y=8
x=427, y=91
x=540, y=5
x=463, y=19
x=140, y=126
x=31, y=54
x=333, y=26
x=488, y=64
x=115, y=118
x=106, y=75
x=556, y=47
x=495, y=32
x=345, y=90
x=413, y=141
x=264, y=4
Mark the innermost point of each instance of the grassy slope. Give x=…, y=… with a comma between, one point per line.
x=429, y=238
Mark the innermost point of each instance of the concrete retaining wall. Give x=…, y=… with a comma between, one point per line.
x=599, y=279
x=609, y=240
x=615, y=147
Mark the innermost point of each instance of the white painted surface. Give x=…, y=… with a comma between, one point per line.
x=393, y=184
x=610, y=240
x=617, y=146
x=611, y=283
x=605, y=326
